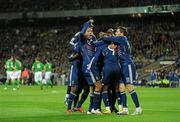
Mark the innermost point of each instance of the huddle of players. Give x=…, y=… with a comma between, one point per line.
x=106, y=66
x=13, y=72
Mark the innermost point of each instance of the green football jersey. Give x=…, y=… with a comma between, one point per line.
x=18, y=65
x=9, y=65
x=38, y=66
x=48, y=67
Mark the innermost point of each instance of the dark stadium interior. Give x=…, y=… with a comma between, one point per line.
x=52, y=5
x=152, y=36
x=89, y=60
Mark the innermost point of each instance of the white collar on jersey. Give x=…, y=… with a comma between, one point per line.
x=111, y=50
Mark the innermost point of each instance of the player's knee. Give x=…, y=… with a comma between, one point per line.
x=98, y=86
x=74, y=89
x=121, y=87
x=130, y=87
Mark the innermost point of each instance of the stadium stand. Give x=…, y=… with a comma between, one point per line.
x=52, y=5
x=151, y=36
x=149, y=41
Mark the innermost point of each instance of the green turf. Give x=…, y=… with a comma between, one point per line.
x=30, y=104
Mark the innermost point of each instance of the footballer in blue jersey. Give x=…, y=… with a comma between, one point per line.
x=111, y=69
x=128, y=70
x=87, y=49
x=76, y=79
x=72, y=43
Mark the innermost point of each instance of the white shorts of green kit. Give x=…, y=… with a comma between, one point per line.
x=48, y=75
x=38, y=76
x=44, y=81
x=16, y=75
x=9, y=75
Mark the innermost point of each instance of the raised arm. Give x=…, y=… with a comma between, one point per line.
x=86, y=26
x=100, y=43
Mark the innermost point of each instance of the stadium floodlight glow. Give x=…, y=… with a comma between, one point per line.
x=145, y=11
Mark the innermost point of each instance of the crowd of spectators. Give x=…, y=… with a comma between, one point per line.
x=27, y=42
x=149, y=40
x=55, y=5
x=156, y=40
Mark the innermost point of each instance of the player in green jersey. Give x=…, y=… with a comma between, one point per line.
x=16, y=73
x=37, y=68
x=47, y=73
x=9, y=70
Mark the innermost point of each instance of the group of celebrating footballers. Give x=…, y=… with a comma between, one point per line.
x=104, y=68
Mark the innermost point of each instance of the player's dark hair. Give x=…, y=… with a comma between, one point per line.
x=37, y=58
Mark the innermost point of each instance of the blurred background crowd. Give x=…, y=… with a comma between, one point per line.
x=151, y=37
x=55, y=5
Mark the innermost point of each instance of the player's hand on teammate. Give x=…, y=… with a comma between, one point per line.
x=102, y=34
x=91, y=20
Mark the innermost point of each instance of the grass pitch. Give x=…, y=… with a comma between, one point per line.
x=30, y=104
